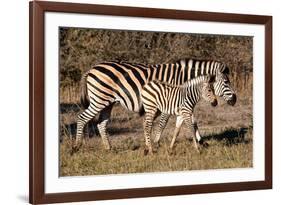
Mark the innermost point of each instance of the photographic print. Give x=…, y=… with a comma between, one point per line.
x=130, y=102
x=143, y=101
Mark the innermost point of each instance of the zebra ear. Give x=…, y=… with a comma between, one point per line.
x=212, y=79
x=226, y=70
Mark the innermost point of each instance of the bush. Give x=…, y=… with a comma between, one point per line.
x=81, y=48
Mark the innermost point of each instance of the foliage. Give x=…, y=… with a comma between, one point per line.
x=81, y=48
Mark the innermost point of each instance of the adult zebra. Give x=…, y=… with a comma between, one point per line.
x=110, y=82
x=176, y=100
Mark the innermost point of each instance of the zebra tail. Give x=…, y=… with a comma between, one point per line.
x=84, y=98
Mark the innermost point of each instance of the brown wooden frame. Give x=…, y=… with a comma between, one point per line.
x=36, y=101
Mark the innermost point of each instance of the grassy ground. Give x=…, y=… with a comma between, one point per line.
x=229, y=138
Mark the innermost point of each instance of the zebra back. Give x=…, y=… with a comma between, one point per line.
x=170, y=98
x=123, y=81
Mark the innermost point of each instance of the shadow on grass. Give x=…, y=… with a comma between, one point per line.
x=91, y=130
x=69, y=107
x=230, y=137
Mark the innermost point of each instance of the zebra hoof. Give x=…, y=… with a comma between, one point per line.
x=147, y=151
x=75, y=149
x=157, y=144
x=107, y=148
x=75, y=146
x=203, y=144
x=107, y=145
x=171, y=151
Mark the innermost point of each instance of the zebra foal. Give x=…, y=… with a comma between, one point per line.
x=175, y=100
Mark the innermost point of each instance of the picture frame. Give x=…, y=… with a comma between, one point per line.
x=37, y=112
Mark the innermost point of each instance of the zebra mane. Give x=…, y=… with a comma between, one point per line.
x=196, y=81
x=193, y=82
x=185, y=63
x=127, y=62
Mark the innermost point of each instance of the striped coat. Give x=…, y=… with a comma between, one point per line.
x=111, y=82
x=175, y=100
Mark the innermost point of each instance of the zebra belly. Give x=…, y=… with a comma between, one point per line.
x=138, y=107
x=168, y=110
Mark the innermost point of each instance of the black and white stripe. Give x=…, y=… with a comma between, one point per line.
x=222, y=88
x=122, y=82
x=175, y=100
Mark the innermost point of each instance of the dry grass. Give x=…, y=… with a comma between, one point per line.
x=229, y=138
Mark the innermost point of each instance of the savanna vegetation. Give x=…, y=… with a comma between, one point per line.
x=228, y=130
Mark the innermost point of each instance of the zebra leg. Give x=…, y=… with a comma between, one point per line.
x=195, y=130
x=197, y=134
x=102, y=125
x=188, y=120
x=147, y=125
x=162, y=124
x=83, y=119
x=177, y=130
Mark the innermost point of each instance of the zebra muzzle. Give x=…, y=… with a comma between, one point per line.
x=214, y=103
x=232, y=100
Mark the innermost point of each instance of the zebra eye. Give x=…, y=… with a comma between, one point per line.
x=226, y=81
x=209, y=90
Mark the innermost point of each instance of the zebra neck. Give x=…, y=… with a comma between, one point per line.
x=179, y=73
x=193, y=95
x=194, y=68
x=168, y=73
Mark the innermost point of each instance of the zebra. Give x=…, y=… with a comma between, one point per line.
x=222, y=89
x=175, y=100
x=110, y=82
